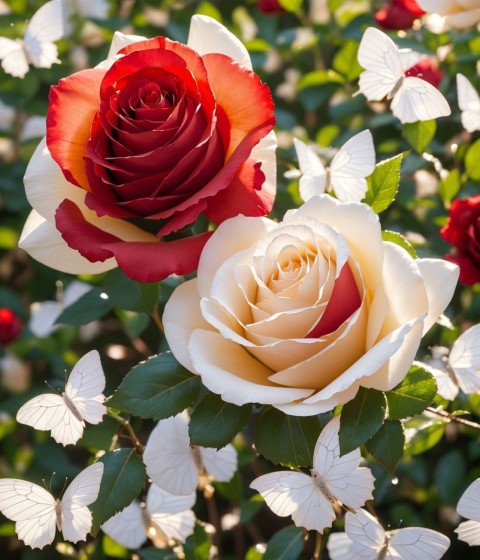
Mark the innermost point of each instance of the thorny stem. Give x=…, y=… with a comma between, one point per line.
x=132, y=435
x=318, y=547
x=156, y=319
x=457, y=419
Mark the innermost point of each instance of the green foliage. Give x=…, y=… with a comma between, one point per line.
x=130, y=295
x=214, y=423
x=287, y=544
x=413, y=395
x=472, y=161
x=387, y=444
x=197, y=546
x=419, y=134
x=383, y=183
x=122, y=481
x=286, y=440
x=345, y=62
x=89, y=307
x=450, y=185
x=157, y=388
x=361, y=418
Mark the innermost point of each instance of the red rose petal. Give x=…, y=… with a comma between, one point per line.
x=72, y=107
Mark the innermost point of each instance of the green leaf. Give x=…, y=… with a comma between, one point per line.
x=197, y=546
x=450, y=185
x=291, y=5
x=99, y=436
x=122, y=481
x=472, y=160
x=157, y=388
x=383, y=183
x=91, y=306
x=420, y=133
x=412, y=395
x=287, y=440
x=449, y=476
x=287, y=544
x=387, y=444
x=361, y=418
x=425, y=433
x=156, y=554
x=398, y=239
x=214, y=422
x=128, y=294
x=345, y=62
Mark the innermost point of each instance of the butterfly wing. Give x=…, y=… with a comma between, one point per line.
x=469, y=504
x=378, y=54
x=43, y=412
x=32, y=508
x=464, y=359
x=469, y=532
x=176, y=526
x=127, y=527
x=349, y=483
x=13, y=57
x=353, y=162
x=340, y=547
x=46, y=26
x=417, y=100
x=83, y=491
x=160, y=501
x=284, y=491
x=221, y=463
x=313, y=179
x=168, y=458
x=469, y=103
x=413, y=543
x=85, y=385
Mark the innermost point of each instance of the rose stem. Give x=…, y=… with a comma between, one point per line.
x=318, y=547
x=213, y=516
x=156, y=319
x=132, y=435
x=458, y=419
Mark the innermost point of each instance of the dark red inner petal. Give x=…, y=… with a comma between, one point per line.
x=344, y=301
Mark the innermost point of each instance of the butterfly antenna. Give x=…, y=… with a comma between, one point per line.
x=51, y=388
x=64, y=486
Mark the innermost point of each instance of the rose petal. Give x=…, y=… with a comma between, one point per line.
x=230, y=371
x=440, y=279
x=72, y=107
x=208, y=36
x=41, y=239
x=181, y=317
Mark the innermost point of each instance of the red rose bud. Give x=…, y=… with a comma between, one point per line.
x=427, y=70
x=400, y=14
x=462, y=230
x=10, y=325
x=270, y=7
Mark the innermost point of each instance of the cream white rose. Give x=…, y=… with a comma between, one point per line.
x=300, y=314
x=445, y=14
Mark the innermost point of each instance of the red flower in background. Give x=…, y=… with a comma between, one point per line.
x=400, y=14
x=427, y=70
x=270, y=7
x=462, y=230
x=10, y=325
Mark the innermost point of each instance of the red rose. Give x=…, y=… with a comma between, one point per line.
x=147, y=142
x=10, y=325
x=427, y=70
x=270, y=7
x=400, y=14
x=462, y=230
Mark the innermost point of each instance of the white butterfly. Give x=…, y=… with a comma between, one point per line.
x=469, y=506
x=36, y=512
x=413, y=99
x=346, y=174
x=469, y=103
x=65, y=414
x=364, y=537
x=176, y=466
x=162, y=518
x=311, y=500
x=37, y=46
x=461, y=370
